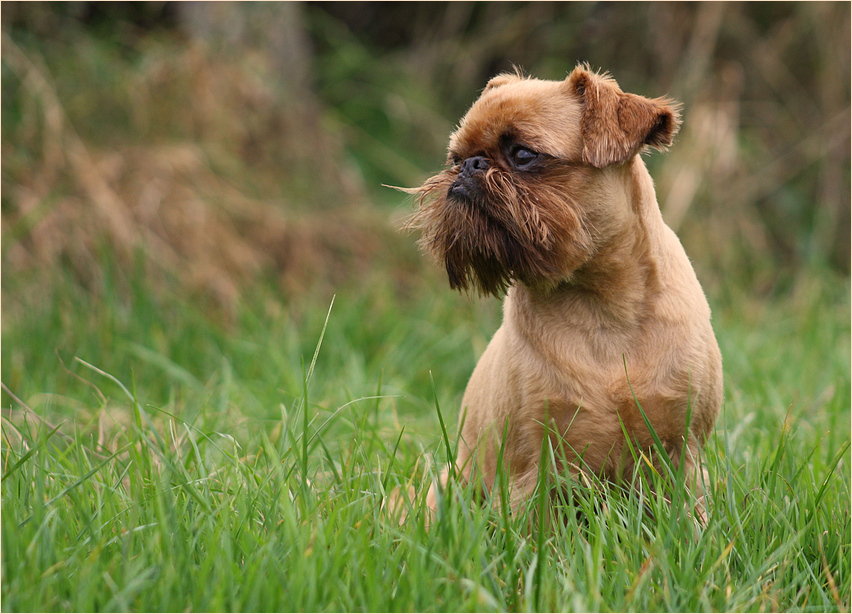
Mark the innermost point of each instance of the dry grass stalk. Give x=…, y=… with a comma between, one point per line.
x=165, y=199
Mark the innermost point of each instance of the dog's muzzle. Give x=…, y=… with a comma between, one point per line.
x=466, y=185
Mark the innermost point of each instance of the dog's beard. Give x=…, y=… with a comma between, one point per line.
x=501, y=232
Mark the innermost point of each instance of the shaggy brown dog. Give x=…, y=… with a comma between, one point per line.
x=546, y=197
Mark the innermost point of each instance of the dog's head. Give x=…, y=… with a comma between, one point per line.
x=531, y=175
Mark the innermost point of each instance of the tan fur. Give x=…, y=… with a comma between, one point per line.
x=595, y=281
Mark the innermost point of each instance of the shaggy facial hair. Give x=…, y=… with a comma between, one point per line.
x=506, y=230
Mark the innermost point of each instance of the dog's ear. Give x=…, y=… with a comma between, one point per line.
x=504, y=79
x=616, y=125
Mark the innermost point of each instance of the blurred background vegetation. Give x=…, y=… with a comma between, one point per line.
x=208, y=149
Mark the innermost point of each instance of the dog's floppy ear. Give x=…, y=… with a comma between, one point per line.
x=616, y=125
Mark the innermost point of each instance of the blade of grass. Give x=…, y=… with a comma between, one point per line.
x=667, y=462
x=30, y=452
x=446, y=437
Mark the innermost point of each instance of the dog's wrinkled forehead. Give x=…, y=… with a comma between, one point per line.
x=542, y=115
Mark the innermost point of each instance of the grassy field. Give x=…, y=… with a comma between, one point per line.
x=154, y=459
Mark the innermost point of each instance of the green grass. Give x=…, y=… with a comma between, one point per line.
x=154, y=459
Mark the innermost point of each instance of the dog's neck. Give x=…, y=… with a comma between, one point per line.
x=611, y=290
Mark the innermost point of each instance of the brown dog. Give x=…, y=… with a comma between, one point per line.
x=546, y=197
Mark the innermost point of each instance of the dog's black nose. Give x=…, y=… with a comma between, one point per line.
x=466, y=186
x=473, y=165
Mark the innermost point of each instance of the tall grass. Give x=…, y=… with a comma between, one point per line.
x=186, y=467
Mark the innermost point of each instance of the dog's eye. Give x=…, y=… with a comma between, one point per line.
x=455, y=160
x=522, y=157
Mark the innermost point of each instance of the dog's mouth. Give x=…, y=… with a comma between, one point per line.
x=465, y=191
x=483, y=214
x=459, y=190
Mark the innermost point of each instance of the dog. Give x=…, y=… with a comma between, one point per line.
x=545, y=197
